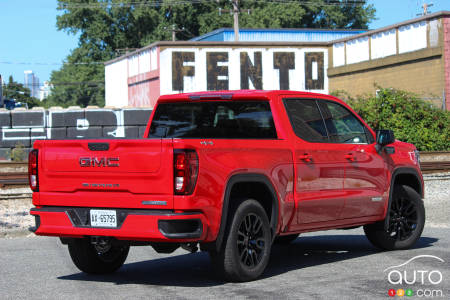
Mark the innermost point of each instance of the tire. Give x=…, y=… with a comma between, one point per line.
x=286, y=239
x=89, y=260
x=406, y=222
x=245, y=252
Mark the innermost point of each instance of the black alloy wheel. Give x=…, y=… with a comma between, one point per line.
x=245, y=250
x=405, y=224
x=250, y=241
x=403, y=218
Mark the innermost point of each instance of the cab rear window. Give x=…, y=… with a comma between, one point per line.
x=213, y=119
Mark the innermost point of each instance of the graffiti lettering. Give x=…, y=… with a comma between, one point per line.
x=251, y=71
x=217, y=71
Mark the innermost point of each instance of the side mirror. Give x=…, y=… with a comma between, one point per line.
x=385, y=137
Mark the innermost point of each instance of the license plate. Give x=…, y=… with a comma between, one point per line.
x=103, y=218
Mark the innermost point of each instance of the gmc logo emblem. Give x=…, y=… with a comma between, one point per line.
x=99, y=161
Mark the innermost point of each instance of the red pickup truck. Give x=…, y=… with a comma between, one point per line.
x=232, y=172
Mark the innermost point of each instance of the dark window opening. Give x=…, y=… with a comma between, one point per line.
x=211, y=119
x=306, y=120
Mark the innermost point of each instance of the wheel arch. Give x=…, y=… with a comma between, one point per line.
x=404, y=176
x=238, y=183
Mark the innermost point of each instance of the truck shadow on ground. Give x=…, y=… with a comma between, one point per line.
x=194, y=270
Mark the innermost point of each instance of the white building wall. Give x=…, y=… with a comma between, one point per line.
x=412, y=37
x=153, y=59
x=116, y=84
x=338, y=54
x=357, y=50
x=144, y=62
x=383, y=44
x=270, y=75
x=133, y=65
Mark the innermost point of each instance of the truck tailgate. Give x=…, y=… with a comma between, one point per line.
x=106, y=173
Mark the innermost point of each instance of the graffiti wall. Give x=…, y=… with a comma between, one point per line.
x=23, y=127
x=198, y=69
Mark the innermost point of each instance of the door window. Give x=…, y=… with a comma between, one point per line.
x=342, y=125
x=306, y=120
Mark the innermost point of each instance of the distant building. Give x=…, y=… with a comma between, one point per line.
x=31, y=82
x=413, y=55
x=1, y=91
x=45, y=90
x=294, y=59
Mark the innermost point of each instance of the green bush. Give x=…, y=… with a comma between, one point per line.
x=412, y=119
x=19, y=153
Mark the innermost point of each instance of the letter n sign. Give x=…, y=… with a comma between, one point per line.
x=251, y=72
x=314, y=71
x=180, y=68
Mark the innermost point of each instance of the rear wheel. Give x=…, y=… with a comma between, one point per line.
x=97, y=259
x=246, y=249
x=406, y=221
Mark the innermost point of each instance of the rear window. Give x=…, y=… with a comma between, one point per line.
x=214, y=119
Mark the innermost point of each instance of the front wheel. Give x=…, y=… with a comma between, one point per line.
x=97, y=259
x=247, y=242
x=406, y=221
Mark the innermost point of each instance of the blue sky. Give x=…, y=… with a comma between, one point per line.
x=29, y=39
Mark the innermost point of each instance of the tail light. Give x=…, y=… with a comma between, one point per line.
x=185, y=171
x=33, y=170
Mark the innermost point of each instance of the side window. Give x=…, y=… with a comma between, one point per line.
x=306, y=120
x=342, y=125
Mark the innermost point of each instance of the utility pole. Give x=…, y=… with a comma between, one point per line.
x=174, y=38
x=235, y=11
x=425, y=7
x=236, y=19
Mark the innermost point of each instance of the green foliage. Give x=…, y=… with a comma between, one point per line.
x=79, y=82
x=19, y=154
x=17, y=91
x=105, y=26
x=412, y=119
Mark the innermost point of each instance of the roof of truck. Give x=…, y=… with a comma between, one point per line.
x=237, y=94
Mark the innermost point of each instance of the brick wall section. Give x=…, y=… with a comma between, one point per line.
x=423, y=77
x=447, y=59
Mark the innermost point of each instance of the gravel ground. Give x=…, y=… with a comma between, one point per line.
x=15, y=219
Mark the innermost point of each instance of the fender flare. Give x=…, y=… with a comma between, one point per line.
x=246, y=177
x=397, y=172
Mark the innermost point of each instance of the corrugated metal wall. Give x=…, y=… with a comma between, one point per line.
x=289, y=35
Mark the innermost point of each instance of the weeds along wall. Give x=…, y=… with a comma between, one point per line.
x=20, y=128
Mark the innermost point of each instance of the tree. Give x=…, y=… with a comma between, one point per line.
x=17, y=92
x=106, y=26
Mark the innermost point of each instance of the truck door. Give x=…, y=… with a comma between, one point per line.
x=365, y=182
x=319, y=167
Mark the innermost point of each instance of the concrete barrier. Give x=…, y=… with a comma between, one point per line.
x=20, y=127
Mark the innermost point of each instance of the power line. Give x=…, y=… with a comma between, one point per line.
x=160, y=3
x=50, y=63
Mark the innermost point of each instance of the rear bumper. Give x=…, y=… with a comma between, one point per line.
x=137, y=225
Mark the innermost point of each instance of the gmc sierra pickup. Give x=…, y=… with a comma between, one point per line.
x=232, y=172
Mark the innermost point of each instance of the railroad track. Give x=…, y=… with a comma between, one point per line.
x=13, y=173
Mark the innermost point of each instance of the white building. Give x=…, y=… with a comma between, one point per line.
x=45, y=90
